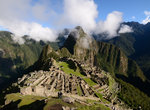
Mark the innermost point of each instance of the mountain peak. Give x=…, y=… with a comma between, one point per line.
x=80, y=32
x=46, y=50
x=79, y=28
x=73, y=38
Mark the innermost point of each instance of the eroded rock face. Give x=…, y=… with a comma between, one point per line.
x=86, y=49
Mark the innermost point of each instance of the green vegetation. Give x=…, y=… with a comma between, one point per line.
x=16, y=100
x=15, y=58
x=65, y=67
x=111, y=82
x=136, y=45
x=94, y=107
x=79, y=90
x=64, y=52
x=89, y=81
x=133, y=96
x=25, y=100
x=99, y=95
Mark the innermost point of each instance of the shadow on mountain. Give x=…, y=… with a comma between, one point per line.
x=37, y=105
x=10, y=89
x=6, y=65
x=12, y=105
x=9, y=72
x=55, y=107
x=6, y=71
x=137, y=82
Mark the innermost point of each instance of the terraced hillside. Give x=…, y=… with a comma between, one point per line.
x=65, y=76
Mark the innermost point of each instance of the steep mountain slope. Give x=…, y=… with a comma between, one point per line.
x=106, y=56
x=15, y=58
x=136, y=45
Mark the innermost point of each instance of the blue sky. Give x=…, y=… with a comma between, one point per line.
x=133, y=10
x=129, y=8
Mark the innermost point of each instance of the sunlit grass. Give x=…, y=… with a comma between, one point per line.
x=89, y=81
x=25, y=100
x=65, y=67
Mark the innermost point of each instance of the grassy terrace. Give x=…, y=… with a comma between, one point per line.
x=25, y=100
x=65, y=67
x=35, y=102
x=89, y=81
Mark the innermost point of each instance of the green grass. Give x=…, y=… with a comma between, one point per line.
x=99, y=95
x=89, y=81
x=100, y=90
x=25, y=100
x=79, y=90
x=102, y=99
x=79, y=106
x=94, y=107
x=111, y=82
x=54, y=101
x=67, y=70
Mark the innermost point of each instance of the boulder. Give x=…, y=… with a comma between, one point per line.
x=68, y=100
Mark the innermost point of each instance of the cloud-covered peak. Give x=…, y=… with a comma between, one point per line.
x=125, y=29
x=111, y=25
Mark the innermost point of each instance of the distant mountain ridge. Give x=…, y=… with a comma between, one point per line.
x=15, y=58
x=136, y=45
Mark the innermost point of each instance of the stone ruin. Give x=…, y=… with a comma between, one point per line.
x=48, y=83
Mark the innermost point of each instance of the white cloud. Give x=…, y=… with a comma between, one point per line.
x=42, y=10
x=147, y=13
x=125, y=29
x=80, y=12
x=18, y=39
x=147, y=19
x=85, y=42
x=24, y=17
x=110, y=25
x=34, y=30
x=16, y=15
